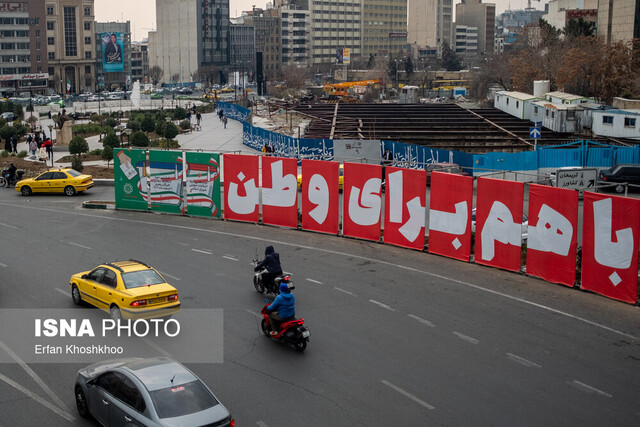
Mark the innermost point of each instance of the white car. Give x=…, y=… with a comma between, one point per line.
x=524, y=226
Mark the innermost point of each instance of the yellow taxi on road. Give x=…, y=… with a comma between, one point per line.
x=125, y=289
x=68, y=181
x=340, y=178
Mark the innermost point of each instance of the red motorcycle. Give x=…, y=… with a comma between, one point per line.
x=291, y=333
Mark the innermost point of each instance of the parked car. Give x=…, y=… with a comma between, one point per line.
x=443, y=167
x=147, y=392
x=622, y=173
x=9, y=116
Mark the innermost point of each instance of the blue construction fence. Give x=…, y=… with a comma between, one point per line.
x=234, y=111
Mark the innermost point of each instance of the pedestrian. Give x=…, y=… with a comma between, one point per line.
x=48, y=145
x=14, y=144
x=33, y=146
x=198, y=117
x=194, y=108
x=224, y=120
x=38, y=140
x=42, y=154
x=49, y=114
x=189, y=115
x=265, y=149
x=221, y=114
x=7, y=145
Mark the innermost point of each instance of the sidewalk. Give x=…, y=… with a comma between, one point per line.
x=212, y=137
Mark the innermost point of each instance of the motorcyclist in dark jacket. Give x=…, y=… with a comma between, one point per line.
x=271, y=262
x=12, y=174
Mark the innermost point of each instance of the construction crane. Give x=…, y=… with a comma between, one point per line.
x=342, y=89
x=529, y=5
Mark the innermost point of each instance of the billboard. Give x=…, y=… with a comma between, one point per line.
x=112, y=52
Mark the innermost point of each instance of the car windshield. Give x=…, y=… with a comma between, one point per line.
x=136, y=279
x=74, y=173
x=177, y=401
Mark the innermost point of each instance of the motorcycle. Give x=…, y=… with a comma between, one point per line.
x=264, y=288
x=5, y=180
x=292, y=333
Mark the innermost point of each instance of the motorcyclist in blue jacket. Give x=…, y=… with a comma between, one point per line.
x=271, y=262
x=282, y=309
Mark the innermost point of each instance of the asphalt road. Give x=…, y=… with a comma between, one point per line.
x=398, y=337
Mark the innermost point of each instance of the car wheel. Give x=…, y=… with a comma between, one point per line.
x=81, y=402
x=619, y=188
x=301, y=345
x=265, y=329
x=257, y=283
x=75, y=295
x=26, y=190
x=69, y=191
x=115, y=313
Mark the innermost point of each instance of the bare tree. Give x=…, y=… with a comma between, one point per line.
x=175, y=77
x=155, y=74
x=207, y=74
x=295, y=76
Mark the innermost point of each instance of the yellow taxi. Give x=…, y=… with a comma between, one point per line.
x=68, y=181
x=340, y=178
x=125, y=289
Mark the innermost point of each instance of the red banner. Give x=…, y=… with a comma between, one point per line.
x=405, y=201
x=241, y=195
x=552, y=234
x=280, y=191
x=362, y=201
x=450, y=215
x=499, y=223
x=320, y=196
x=610, y=246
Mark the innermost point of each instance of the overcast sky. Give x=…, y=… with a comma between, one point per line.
x=142, y=13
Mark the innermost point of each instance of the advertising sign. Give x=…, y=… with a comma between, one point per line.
x=450, y=215
x=346, y=55
x=280, y=191
x=165, y=181
x=552, y=234
x=362, y=202
x=610, y=246
x=499, y=223
x=130, y=179
x=320, y=196
x=202, y=179
x=241, y=192
x=112, y=52
x=405, y=207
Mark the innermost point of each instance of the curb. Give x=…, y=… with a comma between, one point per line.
x=104, y=182
x=93, y=204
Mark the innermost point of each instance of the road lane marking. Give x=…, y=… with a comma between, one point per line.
x=7, y=225
x=66, y=294
x=589, y=389
x=202, y=252
x=79, y=245
x=466, y=338
x=345, y=291
x=2, y=265
x=259, y=316
x=344, y=254
x=34, y=376
x=157, y=347
x=38, y=399
x=230, y=257
x=385, y=306
x=168, y=275
x=407, y=394
x=523, y=361
x=421, y=320
x=261, y=424
x=313, y=281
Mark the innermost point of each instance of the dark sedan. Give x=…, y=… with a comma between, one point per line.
x=623, y=173
x=147, y=392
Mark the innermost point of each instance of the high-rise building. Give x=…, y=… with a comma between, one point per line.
x=113, y=54
x=296, y=24
x=268, y=36
x=190, y=34
x=139, y=62
x=466, y=40
x=23, y=57
x=474, y=13
x=384, y=27
x=430, y=23
x=243, y=49
x=335, y=24
x=619, y=20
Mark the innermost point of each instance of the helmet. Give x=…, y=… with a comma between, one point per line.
x=284, y=287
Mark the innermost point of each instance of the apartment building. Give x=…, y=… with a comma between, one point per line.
x=430, y=23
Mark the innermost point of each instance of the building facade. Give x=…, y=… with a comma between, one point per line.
x=296, y=25
x=561, y=11
x=140, y=62
x=430, y=23
x=113, y=55
x=384, y=27
x=268, y=36
x=466, y=40
x=474, y=13
x=335, y=24
x=70, y=45
x=190, y=34
x=243, y=50
x=23, y=57
x=619, y=20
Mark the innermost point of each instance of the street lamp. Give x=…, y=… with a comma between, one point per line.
x=30, y=97
x=51, y=139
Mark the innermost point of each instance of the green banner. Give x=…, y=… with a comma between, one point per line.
x=166, y=181
x=130, y=179
x=203, y=184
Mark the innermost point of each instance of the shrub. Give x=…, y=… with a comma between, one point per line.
x=160, y=125
x=2, y=121
x=139, y=139
x=95, y=118
x=179, y=113
x=148, y=124
x=22, y=154
x=185, y=124
x=7, y=131
x=77, y=163
x=170, y=131
x=111, y=122
x=87, y=129
x=96, y=152
x=107, y=153
x=78, y=145
x=111, y=140
x=163, y=143
x=4, y=153
x=21, y=130
x=134, y=125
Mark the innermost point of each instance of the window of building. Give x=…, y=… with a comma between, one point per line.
x=51, y=55
x=51, y=41
x=507, y=101
x=517, y=104
x=50, y=25
x=607, y=120
x=535, y=110
x=87, y=26
x=571, y=115
x=87, y=55
x=49, y=10
x=27, y=47
x=87, y=11
x=50, y=71
x=629, y=122
x=87, y=40
x=70, y=36
x=38, y=58
x=87, y=69
x=37, y=33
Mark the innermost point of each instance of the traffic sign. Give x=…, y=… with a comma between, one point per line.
x=534, y=132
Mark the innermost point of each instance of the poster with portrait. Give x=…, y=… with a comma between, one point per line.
x=112, y=52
